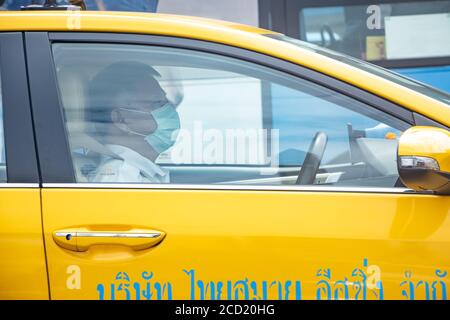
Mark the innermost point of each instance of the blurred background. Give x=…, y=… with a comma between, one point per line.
x=410, y=37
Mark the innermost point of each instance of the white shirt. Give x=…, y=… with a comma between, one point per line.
x=134, y=168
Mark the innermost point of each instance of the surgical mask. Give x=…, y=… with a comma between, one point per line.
x=168, y=123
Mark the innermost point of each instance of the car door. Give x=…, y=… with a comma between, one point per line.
x=22, y=261
x=227, y=212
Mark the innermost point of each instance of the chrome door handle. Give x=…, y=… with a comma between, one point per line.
x=109, y=234
x=81, y=239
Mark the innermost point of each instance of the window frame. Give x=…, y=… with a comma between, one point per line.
x=21, y=159
x=293, y=8
x=56, y=162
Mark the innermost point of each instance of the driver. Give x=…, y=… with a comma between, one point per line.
x=132, y=117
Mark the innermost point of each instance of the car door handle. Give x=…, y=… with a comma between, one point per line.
x=81, y=239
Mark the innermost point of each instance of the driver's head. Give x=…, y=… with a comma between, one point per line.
x=127, y=100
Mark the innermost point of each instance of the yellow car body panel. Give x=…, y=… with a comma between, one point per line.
x=231, y=237
x=22, y=266
x=227, y=33
x=236, y=243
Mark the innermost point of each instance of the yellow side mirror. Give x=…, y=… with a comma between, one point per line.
x=424, y=159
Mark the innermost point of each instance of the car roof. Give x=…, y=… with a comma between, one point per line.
x=234, y=34
x=42, y=19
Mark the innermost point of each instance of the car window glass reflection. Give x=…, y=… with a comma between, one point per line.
x=138, y=114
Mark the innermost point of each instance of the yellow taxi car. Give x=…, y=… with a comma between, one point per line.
x=150, y=156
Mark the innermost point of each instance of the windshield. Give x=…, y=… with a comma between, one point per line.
x=366, y=66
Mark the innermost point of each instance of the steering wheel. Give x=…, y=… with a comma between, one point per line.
x=313, y=158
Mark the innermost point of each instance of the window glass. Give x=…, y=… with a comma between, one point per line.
x=147, y=114
x=2, y=140
x=378, y=32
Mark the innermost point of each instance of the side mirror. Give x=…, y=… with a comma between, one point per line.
x=424, y=159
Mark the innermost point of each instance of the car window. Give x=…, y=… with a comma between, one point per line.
x=2, y=140
x=147, y=114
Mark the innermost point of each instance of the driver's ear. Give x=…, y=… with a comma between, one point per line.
x=116, y=116
x=118, y=120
